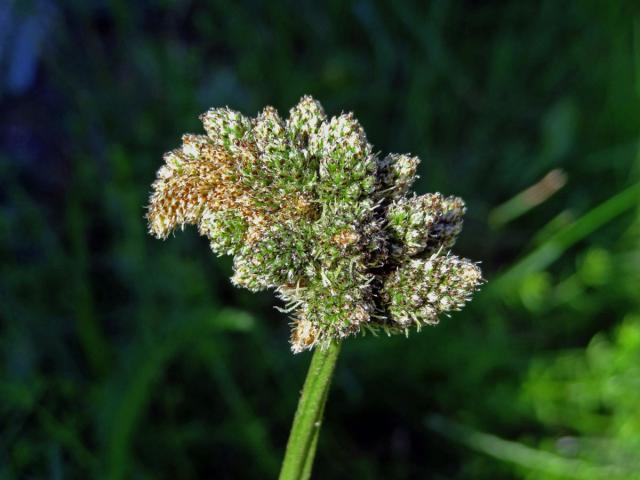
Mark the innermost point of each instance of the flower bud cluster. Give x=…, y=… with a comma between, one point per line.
x=308, y=209
x=425, y=223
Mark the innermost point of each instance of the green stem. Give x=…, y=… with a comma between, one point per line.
x=303, y=439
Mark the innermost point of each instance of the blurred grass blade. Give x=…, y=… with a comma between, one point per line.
x=528, y=199
x=92, y=339
x=251, y=426
x=152, y=363
x=553, y=226
x=557, y=244
x=524, y=456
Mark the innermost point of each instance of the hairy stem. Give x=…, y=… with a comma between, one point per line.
x=303, y=439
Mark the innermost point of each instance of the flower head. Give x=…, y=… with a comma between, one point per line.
x=308, y=209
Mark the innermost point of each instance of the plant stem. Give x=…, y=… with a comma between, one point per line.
x=303, y=439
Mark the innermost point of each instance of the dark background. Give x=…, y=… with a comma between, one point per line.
x=124, y=357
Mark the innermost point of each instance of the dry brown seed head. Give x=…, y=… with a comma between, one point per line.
x=346, y=237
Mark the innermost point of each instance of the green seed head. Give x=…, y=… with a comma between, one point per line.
x=306, y=208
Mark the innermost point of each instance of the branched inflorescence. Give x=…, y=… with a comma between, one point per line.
x=306, y=207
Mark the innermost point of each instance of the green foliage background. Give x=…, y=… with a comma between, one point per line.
x=126, y=357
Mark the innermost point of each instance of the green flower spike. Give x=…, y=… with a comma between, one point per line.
x=307, y=208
